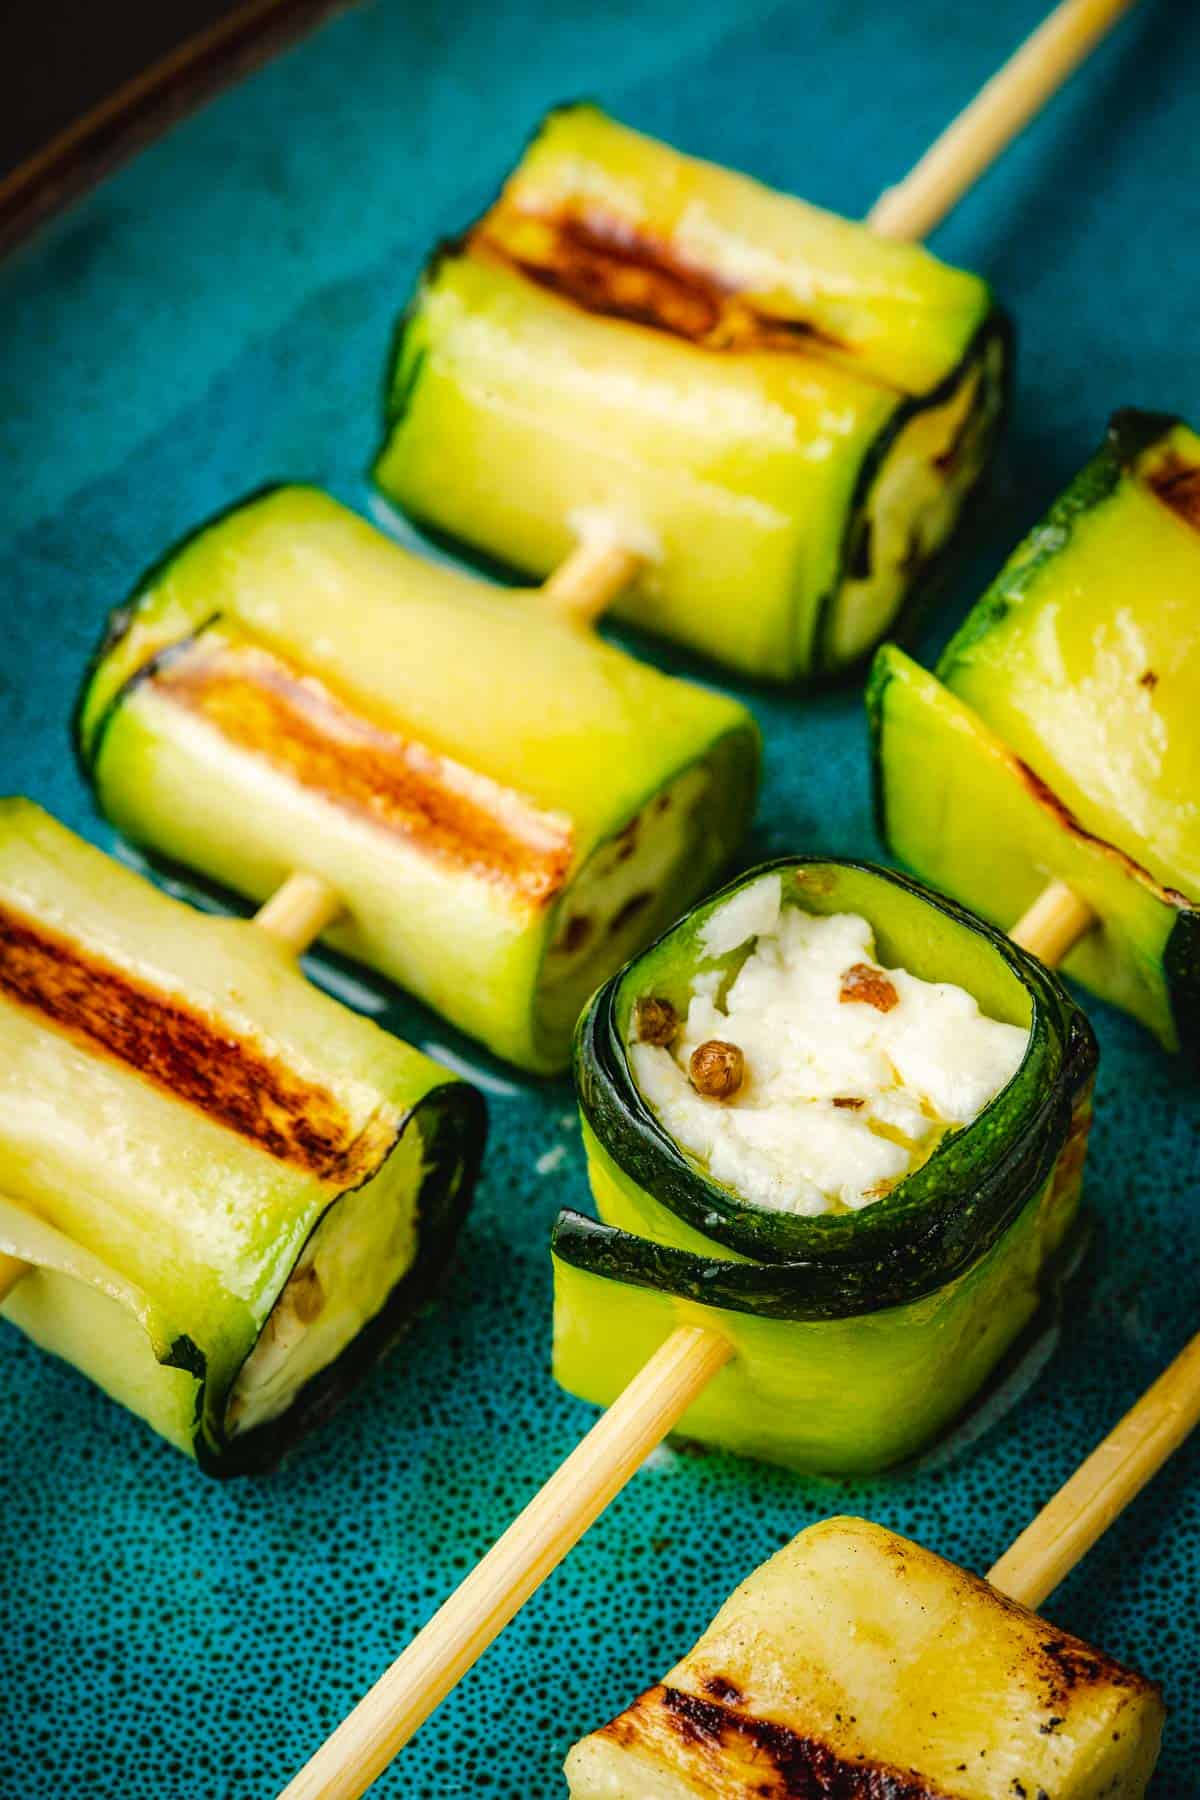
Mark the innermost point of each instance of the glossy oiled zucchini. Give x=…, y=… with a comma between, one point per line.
x=507, y=806
x=855, y=1665
x=857, y=1335
x=783, y=411
x=233, y=1193
x=1060, y=736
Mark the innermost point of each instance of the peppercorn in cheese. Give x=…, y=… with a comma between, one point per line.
x=811, y=1079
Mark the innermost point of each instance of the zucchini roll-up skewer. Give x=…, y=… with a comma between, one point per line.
x=779, y=410
x=506, y=807
x=1059, y=739
x=228, y=1193
x=870, y=1217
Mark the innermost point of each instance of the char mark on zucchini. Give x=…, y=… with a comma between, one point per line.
x=194, y=1058
x=606, y=267
x=1177, y=484
x=260, y=703
x=1046, y=796
x=744, y=1755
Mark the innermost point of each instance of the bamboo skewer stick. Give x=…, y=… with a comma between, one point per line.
x=1116, y=1471
x=586, y=582
x=972, y=142
x=295, y=915
x=298, y=912
x=1054, y=924
x=534, y=1544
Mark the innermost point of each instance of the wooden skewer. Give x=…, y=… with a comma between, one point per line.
x=534, y=1544
x=298, y=912
x=1116, y=1471
x=1054, y=924
x=587, y=582
x=973, y=141
x=554, y=1521
x=295, y=915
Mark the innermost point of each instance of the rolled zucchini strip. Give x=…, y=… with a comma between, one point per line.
x=857, y=1663
x=232, y=1192
x=861, y=1324
x=1058, y=738
x=507, y=806
x=782, y=411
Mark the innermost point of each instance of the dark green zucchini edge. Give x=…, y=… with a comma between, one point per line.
x=1181, y=966
x=454, y=1123
x=930, y=1229
x=995, y=328
x=1130, y=434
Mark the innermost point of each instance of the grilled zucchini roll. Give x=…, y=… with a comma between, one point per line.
x=856, y=1663
x=783, y=412
x=232, y=1192
x=1059, y=737
x=841, y=1122
x=507, y=806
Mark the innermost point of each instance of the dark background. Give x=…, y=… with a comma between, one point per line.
x=60, y=58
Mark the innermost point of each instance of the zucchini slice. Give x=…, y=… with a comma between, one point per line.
x=858, y=1336
x=233, y=1192
x=1058, y=738
x=508, y=806
x=856, y=1663
x=783, y=411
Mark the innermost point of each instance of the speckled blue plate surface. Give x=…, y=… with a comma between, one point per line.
x=218, y=314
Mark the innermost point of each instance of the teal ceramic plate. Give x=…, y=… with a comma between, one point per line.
x=218, y=314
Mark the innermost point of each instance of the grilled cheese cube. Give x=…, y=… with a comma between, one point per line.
x=857, y=1663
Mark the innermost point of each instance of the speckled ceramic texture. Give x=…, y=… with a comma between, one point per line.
x=218, y=314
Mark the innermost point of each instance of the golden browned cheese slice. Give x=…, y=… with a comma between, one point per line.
x=856, y=1665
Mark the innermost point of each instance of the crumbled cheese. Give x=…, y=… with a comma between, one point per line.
x=853, y=1072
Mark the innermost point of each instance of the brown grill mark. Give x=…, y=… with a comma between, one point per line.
x=1069, y=1666
x=606, y=266
x=298, y=725
x=230, y=1079
x=848, y=1101
x=1065, y=818
x=1177, y=484
x=869, y=986
x=734, y=1754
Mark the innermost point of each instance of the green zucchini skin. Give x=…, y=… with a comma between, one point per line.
x=459, y=763
x=794, y=564
x=183, y=1121
x=922, y=1272
x=1070, y=666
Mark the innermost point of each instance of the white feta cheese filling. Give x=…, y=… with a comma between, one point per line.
x=365, y=1243
x=853, y=1073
